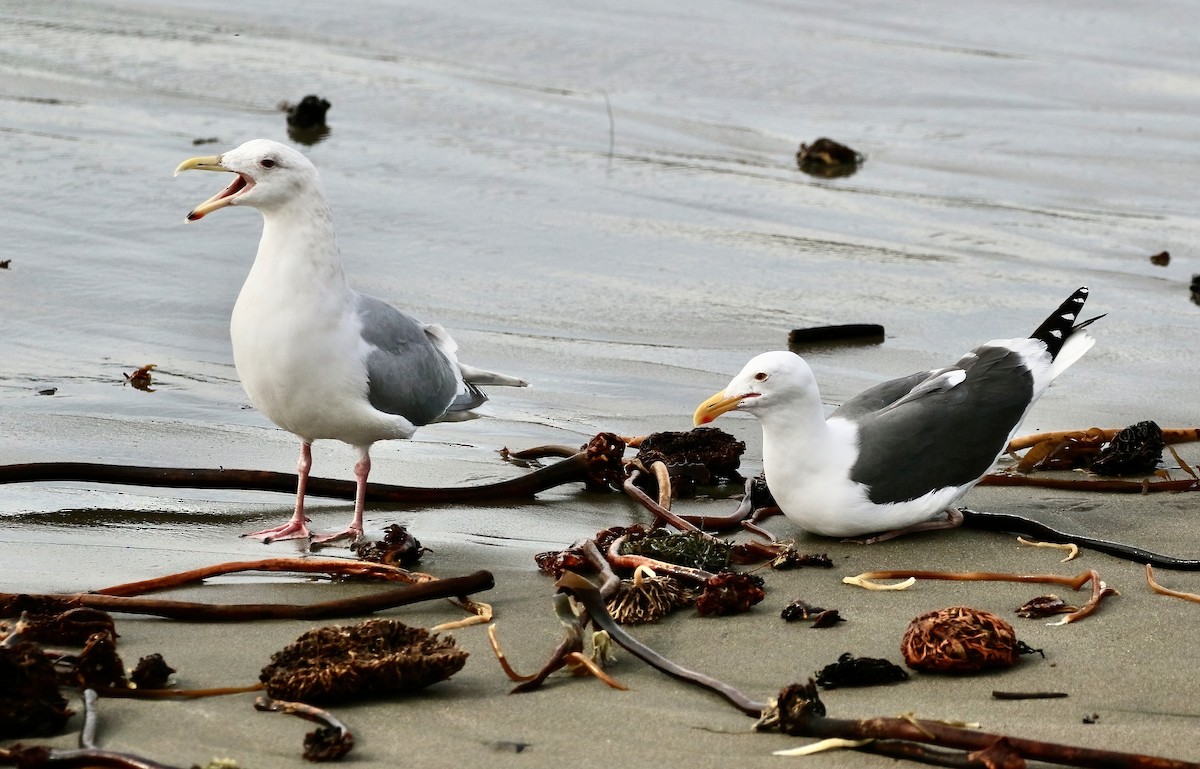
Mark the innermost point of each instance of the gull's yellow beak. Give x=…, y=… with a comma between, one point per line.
x=715, y=407
x=222, y=198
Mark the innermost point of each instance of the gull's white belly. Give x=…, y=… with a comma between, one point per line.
x=304, y=369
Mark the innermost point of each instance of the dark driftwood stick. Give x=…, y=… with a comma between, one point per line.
x=350, y=607
x=569, y=470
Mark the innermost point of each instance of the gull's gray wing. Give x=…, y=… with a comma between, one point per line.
x=410, y=371
x=884, y=394
x=939, y=429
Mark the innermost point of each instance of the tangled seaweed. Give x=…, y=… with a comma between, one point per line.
x=30, y=703
x=730, y=593
x=100, y=666
x=860, y=671
x=375, y=657
x=959, y=639
x=56, y=621
x=1136, y=449
x=151, y=672
x=685, y=549
x=647, y=598
x=705, y=455
x=397, y=548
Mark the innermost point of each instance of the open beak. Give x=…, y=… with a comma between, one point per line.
x=223, y=198
x=716, y=406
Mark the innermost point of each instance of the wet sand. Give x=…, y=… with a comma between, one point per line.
x=1121, y=667
x=626, y=269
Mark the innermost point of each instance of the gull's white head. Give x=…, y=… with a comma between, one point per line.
x=767, y=381
x=269, y=174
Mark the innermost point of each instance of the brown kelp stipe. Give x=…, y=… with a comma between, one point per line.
x=573, y=469
x=799, y=712
x=329, y=743
x=582, y=590
x=123, y=598
x=1099, y=589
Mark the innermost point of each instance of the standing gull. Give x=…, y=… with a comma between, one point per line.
x=318, y=358
x=899, y=456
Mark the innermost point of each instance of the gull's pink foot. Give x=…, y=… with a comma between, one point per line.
x=293, y=529
x=351, y=533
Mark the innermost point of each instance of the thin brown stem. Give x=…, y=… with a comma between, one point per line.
x=1169, y=435
x=1157, y=588
x=332, y=566
x=810, y=723
x=199, y=612
x=1088, y=484
x=627, y=561
x=1074, y=583
x=588, y=595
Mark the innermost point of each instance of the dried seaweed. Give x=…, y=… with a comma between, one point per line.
x=704, y=455
x=1045, y=606
x=685, y=549
x=730, y=593
x=555, y=562
x=1136, y=449
x=151, y=672
x=959, y=639
x=100, y=666
x=827, y=618
x=793, y=559
x=373, y=658
x=860, y=671
x=30, y=703
x=397, y=548
x=57, y=621
x=798, y=610
x=330, y=742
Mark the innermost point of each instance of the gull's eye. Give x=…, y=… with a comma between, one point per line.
x=267, y=163
x=760, y=376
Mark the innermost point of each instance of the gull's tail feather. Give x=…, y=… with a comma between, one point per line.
x=478, y=376
x=1066, y=340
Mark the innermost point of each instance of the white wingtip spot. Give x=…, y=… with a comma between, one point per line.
x=1056, y=333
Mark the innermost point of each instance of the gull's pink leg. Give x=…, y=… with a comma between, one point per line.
x=296, y=527
x=352, y=532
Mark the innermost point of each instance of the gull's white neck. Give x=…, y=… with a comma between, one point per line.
x=807, y=462
x=795, y=438
x=298, y=251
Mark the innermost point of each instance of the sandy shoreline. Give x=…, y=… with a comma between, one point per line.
x=604, y=201
x=1121, y=667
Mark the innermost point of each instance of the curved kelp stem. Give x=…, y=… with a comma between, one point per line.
x=1016, y=524
x=451, y=587
x=589, y=595
x=572, y=469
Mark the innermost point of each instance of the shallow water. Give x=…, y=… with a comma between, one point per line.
x=625, y=265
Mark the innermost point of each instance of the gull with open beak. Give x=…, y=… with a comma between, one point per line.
x=318, y=358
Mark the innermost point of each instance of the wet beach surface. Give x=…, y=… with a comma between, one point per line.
x=605, y=202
